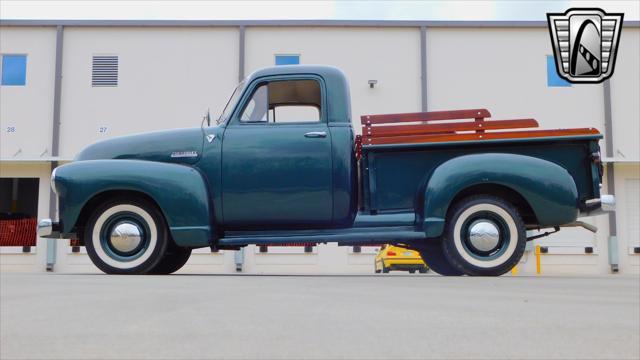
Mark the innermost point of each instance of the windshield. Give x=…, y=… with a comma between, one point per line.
x=231, y=104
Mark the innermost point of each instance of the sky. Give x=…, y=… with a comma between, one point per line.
x=312, y=9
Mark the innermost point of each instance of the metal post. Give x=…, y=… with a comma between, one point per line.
x=241, y=53
x=423, y=66
x=612, y=241
x=55, y=141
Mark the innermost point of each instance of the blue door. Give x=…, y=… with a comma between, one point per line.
x=276, y=167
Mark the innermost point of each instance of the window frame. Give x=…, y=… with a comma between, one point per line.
x=256, y=83
x=26, y=64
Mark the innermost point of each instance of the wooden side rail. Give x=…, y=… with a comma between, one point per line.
x=425, y=116
x=393, y=128
x=413, y=139
x=399, y=130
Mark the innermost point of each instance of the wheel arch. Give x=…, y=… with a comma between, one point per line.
x=501, y=191
x=179, y=192
x=99, y=198
x=544, y=191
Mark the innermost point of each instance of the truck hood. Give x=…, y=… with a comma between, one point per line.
x=175, y=146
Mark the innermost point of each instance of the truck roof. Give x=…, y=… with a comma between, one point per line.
x=336, y=92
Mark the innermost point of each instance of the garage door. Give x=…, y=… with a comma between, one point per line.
x=632, y=198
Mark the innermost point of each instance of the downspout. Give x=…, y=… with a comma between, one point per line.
x=55, y=142
x=612, y=241
x=423, y=67
x=239, y=254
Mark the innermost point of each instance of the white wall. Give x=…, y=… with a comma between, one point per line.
x=168, y=77
x=28, y=108
x=389, y=55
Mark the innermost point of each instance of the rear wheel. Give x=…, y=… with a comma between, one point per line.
x=126, y=236
x=433, y=255
x=412, y=271
x=423, y=270
x=485, y=236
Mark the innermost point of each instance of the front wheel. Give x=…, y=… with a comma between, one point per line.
x=485, y=236
x=175, y=258
x=126, y=236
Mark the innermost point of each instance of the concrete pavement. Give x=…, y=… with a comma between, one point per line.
x=351, y=316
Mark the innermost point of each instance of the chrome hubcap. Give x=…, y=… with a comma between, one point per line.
x=484, y=235
x=126, y=237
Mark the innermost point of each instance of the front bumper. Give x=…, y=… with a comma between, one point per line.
x=48, y=229
x=604, y=204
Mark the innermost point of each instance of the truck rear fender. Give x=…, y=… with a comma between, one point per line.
x=546, y=188
x=179, y=191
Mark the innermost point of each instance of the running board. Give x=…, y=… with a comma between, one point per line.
x=351, y=236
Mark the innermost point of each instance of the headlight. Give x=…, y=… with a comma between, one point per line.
x=53, y=180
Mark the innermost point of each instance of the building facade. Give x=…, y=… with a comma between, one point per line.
x=71, y=83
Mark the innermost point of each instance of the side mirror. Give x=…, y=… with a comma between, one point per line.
x=208, y=117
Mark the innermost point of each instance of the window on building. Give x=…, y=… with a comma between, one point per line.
x=292, y=101
x=18, y=212
x=105, y=71
x=553, y=79
x=14, y=70
x=287, y=59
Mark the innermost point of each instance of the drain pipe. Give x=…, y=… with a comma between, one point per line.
x=55, y=143
x=612, y=241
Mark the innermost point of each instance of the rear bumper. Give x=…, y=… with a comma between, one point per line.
x=604, y=204
x=48, y=229
x=406, y=267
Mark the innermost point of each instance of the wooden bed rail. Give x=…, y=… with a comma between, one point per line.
x=425, y=116
x=427, y=127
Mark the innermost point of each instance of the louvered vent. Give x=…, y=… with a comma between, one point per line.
x=105, y=71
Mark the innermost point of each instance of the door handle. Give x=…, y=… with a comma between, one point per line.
x=316, y=134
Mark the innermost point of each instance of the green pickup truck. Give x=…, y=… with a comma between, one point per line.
x=283, y=164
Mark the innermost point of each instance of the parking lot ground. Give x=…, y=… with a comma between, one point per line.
x=81, y=316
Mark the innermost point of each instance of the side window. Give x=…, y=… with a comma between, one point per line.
x=290, y=101
x=256, y=108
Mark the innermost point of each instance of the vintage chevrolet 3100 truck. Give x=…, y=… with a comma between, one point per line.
x=283, y=165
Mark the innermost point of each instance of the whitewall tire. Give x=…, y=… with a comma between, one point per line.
x=484, y=235
x=126, y=236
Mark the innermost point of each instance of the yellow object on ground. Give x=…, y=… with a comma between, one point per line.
x=392, y=257
x=538, y=268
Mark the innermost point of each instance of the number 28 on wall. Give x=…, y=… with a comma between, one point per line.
x=11, y=129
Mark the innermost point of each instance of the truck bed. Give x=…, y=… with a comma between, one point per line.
x=397, y=150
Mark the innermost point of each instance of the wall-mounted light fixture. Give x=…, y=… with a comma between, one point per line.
x=372, y=83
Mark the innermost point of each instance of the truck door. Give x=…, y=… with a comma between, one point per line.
x=276, y=167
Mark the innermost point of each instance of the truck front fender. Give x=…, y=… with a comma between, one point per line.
x=547, y=187
x=179, y=191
